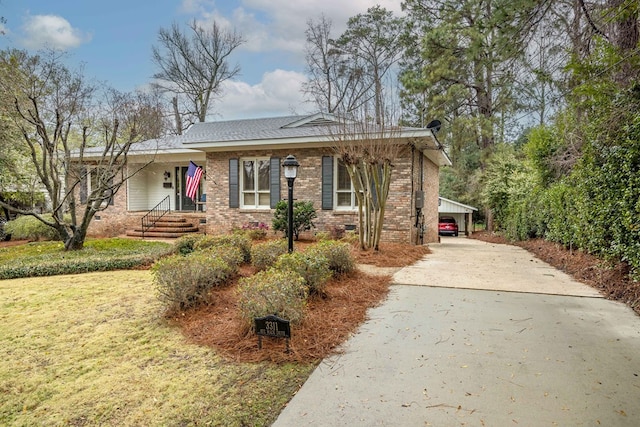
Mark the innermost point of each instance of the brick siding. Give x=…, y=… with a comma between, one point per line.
x=409, y=174
x=399, y=223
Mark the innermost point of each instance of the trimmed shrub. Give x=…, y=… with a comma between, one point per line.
x=185, y=281
x=203, y=242
x=255, y=230
x=338, y=255
x=187, y=243
x=72, y=266
x=239, y=240
x=232, y=255
x=313, y=268
x=351, y=237
x=264, y=255
x=27, y=227
x=322, y=235
x=50, y=258
x=272, y=292
x=303, y=215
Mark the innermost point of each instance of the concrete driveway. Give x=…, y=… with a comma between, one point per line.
x=480, y=334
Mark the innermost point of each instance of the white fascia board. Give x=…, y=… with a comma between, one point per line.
x=444, y=157
x=433, y=151
x=151, y=153
x=306, y=142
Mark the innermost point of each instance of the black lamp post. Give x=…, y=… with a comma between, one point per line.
x=290, y=165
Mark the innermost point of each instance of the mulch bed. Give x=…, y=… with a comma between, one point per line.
x=330, y=318
x=611, y=279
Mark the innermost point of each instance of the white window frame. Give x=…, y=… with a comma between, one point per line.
x=256, y=191
x=354, y=202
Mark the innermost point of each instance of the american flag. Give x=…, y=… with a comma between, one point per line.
x=194, y=173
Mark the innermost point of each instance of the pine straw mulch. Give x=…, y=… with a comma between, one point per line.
x=611, y=279
x=329, y=321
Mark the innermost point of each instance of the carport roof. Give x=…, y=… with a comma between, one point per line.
x=451, y=206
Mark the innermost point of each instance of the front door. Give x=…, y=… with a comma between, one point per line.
x=183, y=203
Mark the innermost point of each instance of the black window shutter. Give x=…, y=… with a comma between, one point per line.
x=327, y=182
x=274, y=181
x=234, y=184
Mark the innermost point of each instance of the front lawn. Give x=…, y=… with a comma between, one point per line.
x=97, y=348
x=49, y=258
x=94, y=349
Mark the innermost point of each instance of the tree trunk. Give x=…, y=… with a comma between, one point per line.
x=489, y=219
x=75, y=241
x=626, y=39
x=176, y=114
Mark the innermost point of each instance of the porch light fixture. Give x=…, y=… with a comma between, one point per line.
x=290, y=166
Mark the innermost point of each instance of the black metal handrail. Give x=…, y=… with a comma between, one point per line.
x=154, y=215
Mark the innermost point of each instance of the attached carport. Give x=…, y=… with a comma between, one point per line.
x=462, y=213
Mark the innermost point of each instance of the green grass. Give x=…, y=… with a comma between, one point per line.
x=49, y=258
x=93, y=349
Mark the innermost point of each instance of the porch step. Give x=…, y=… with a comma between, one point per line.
x=169, y=227
x=188, y=228
x=158, y=234
x=176, y=225
x=173, y=219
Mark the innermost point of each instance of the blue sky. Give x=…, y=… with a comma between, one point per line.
x=113, y=40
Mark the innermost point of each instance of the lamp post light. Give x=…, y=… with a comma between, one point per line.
x=290, y=165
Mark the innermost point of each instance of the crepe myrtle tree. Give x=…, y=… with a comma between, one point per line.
x=367, y=148
x=74, y=131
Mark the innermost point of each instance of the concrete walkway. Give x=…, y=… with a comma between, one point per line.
x=480, y=334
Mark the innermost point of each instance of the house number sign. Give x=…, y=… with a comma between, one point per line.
x=272, y=326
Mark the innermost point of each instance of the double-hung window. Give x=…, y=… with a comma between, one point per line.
x=90, y=181
x=345, y=194
x=254, y=183
x=337, y=189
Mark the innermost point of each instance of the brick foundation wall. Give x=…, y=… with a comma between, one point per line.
x=113, y=221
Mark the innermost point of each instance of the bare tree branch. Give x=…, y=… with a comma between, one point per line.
x=195, y=65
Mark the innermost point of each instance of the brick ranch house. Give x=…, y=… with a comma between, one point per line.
x=243, y=178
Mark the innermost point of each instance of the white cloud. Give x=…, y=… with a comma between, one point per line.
x=270, y=25
x=276, y=28
x=277, y=94
x=51, y=31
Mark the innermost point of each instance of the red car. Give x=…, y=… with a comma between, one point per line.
x=447, y=225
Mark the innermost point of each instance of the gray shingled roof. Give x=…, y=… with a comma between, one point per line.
x=231, y=132
x=254, y=129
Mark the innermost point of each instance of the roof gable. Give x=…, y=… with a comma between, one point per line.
x=271, y=128
x=451, y=206
x=318, y=119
